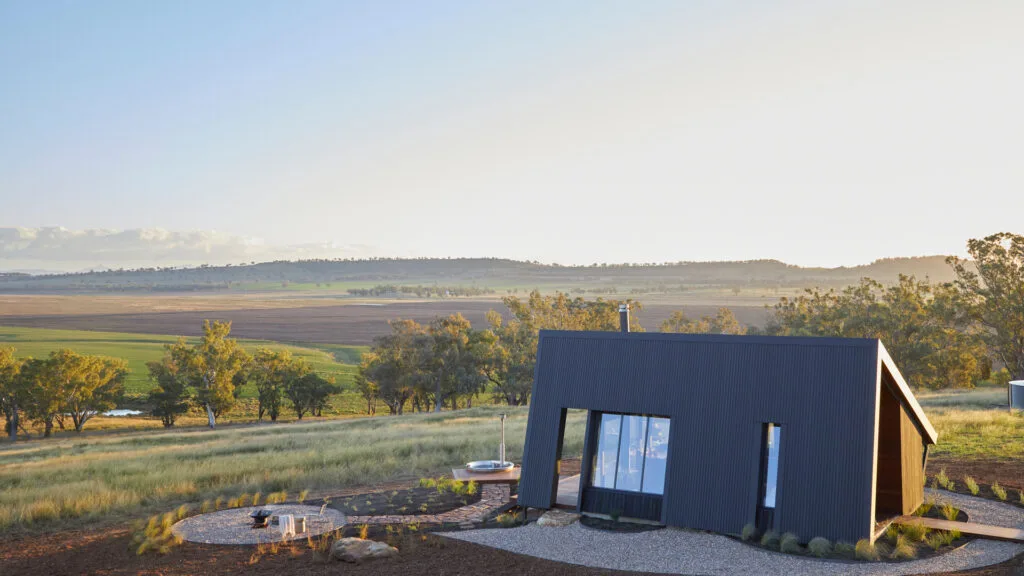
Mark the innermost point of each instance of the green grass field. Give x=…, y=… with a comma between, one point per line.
x=329, y=359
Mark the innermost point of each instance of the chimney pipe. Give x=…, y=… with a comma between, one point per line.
x=624, y=317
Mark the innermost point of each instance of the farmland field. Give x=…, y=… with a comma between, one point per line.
x=139, y=349
x=349, y=324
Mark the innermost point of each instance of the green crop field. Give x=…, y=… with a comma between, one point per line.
x=329, y=359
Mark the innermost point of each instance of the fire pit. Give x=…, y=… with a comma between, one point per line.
x=260, y=518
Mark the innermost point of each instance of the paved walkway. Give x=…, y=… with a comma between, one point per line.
x=983, y=530
x=676, y=551
x=492, y=497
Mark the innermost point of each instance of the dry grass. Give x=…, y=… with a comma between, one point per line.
x=44, y=483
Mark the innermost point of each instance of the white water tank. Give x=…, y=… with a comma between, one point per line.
x=1017, y=394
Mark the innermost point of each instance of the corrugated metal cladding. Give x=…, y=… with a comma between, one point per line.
x=719, y=391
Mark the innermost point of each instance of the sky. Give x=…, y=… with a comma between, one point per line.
x=817, y=133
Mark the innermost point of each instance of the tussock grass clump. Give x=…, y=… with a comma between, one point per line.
x=935, y=540
x=846, y=549
x=205, y=507
x=790, y=544
x=972, y=485
x=770, y=539
x=748, y=533
x=819, y=547
x=892, y=531
x=865, y=550
x=302, y=496
x=942, y=479
x=364, y=531
x=509, y=519
x=1020, y=496
x=903, y=549
x=276, y=497
x=999, y=491
x=925, y=507
x=949, y=512
x=428, y=483
x=914, y=531
x=155, y=535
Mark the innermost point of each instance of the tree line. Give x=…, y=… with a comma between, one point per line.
x=420, y=291
x=942, y=335
x=66, y=388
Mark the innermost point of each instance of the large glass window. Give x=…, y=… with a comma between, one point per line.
x=632, y=452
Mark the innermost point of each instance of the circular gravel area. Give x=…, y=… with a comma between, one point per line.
x=234, y=526
x=678, y=551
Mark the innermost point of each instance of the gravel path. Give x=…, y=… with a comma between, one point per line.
x=234, y=526
x=677, y=551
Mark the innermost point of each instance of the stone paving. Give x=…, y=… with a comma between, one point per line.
x=234, y=526
x=492, y=497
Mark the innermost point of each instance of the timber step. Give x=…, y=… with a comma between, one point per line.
x=983, y=530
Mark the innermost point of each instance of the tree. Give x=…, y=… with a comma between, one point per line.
x=93, y=384
x=273, y=372
x=211, y=367
x=11, y=394
x=310, y=393
x=511, y=360
x=561, y=312
x=395, y=363
x=171, y=397
x=921, y=325
x=993, y=292
x=42, y=386
x=368, y=389
x=723, y=322
x=449, y=360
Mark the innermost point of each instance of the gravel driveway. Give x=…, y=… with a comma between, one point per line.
x=677, y=551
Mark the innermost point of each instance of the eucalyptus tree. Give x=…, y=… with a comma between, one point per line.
x=11, y=392
x=723, y=322
x=211, y=367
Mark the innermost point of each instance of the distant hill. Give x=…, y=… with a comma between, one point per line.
x=482, y=272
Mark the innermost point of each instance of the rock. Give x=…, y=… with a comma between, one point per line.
x=558, y=518
x=356, y=550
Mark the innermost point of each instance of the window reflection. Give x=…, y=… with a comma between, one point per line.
x=632, y=453
x=607, y=451
x=773, y=439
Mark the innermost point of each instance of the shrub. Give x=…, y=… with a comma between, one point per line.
x=428, y=483
x=972, y=486
x=614, y=514
x=748, y=533
x=914, y=531
x=942, y=479
x=790, y=544
x=999, y=491
x=935, y=540
x=472, y=487
x=903, y=549
x=770, y=539
x=819, y=547
x=845, y=549
x=949, y=512
x=865, y=550
x=509, y=519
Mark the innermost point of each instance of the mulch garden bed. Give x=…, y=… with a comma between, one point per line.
x=407, y=502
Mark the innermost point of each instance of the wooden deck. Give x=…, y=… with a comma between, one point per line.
x=983, y=530
x=568, y=492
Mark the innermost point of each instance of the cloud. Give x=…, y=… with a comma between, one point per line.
x=60, y=248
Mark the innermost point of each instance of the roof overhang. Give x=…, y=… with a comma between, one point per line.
x=906, y=396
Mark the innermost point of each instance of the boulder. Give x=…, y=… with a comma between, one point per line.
x=356, y=550
x=557, y=517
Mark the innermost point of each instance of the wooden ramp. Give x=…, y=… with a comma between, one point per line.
x=568, y=492
x=983, y=530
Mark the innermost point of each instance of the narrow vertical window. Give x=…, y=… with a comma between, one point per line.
x=657, y=456
x=773, y=438
x=769, y=487
x=631, y=453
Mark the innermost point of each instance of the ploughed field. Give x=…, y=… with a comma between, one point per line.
x=349, y=324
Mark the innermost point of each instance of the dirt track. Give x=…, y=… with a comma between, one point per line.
x=348, y=324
